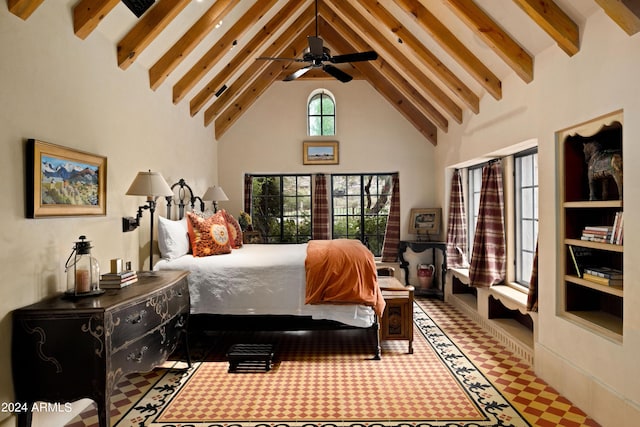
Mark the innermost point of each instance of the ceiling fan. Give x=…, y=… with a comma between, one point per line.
x=319, y=56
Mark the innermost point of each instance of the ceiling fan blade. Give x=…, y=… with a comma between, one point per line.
x=337, y=73
x=315, y=46
x=355, y=57
x=297, y=73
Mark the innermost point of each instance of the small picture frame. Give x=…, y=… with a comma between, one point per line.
x=320, y=153
x=425, y=222
x=61, y=181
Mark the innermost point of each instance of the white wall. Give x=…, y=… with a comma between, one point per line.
x=373, y=137
x=60, y=89
x=595, y=373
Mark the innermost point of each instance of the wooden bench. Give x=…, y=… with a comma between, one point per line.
x=397, y=319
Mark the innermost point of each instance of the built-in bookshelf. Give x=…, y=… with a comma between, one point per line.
x=591, y=230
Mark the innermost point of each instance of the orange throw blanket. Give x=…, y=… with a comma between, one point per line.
x=342, y=271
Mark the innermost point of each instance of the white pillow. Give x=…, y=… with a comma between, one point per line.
x=173, y=238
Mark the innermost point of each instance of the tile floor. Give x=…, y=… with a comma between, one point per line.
x=540, y=404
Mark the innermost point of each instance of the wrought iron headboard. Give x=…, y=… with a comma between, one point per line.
x=182, y=199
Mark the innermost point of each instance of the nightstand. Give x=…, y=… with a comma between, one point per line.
x=397, y=319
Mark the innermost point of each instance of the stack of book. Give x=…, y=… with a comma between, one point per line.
x=597, y=233
x=118, y=280
x=618, y=229
x=603, y=275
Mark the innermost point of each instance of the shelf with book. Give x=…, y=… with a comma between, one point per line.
x=590, y=231
x=613, y=290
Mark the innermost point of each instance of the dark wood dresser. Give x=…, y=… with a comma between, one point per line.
x=67, y=349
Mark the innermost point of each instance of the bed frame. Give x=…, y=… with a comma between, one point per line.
x=183, y=199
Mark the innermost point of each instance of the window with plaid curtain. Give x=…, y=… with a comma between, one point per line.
x=488, y=259
x=457, y=225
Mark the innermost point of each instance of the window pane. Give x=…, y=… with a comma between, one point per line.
x=527, y=203
x=328, y=125
x=353, y=205
x=315, y=106
x=339, y=185
x=328, y=107
x=315, y=125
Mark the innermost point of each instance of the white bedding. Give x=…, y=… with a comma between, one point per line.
x=258, y=279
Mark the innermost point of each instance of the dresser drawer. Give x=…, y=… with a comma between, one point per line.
x=149, y=350
x=134, y=321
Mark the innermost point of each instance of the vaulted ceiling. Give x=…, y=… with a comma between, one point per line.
x=437, y=58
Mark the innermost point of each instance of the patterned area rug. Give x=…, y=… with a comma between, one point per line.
x=325, y=378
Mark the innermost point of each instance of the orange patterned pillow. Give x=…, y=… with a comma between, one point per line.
x=235, y=232
x=208, y=236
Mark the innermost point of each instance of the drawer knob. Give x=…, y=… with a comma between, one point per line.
x=136, y=317
x=138, y=358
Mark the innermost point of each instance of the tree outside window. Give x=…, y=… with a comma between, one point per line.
x=281, y=208
x=360, y=207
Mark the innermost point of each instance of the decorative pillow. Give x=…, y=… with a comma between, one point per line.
x=208, y=236
x=173, y=238
x=235, y=232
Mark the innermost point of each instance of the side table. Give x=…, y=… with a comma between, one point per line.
x=419, y=246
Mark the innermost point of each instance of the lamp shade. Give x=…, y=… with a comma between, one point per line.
x=215, y=193
x=149, y=184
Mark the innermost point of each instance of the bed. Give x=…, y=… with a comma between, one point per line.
x=267, y=282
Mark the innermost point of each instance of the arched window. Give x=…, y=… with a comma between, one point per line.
x=321, y=113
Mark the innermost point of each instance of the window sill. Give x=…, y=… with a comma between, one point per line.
x=512, y=295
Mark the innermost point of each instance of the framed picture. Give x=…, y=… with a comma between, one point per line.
x=64, y=182
x=425, y=221
x=320, y=153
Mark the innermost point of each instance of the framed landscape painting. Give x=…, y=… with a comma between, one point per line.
x=320, y=153
x=62, y=181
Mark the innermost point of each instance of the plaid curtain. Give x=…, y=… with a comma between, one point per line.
x=488, y=258
x=248, y=189
x=392, y=232
x=457, y=225
x=532, y=298
x=320, y=217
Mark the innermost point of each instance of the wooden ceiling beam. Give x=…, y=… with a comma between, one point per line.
x=248, y=51
x=391, y=89
x=164, y=66
x=338, y=33
x=87, y=14
x=346, y=12
x=240, y=85
x=490, y=32
x=148, y=27
x=555, y=22
x=452, y=46
x=23, y=8
x=427, y=59
x=625, y=13
x=222, y=46
x=487, y=80
x=251, y=92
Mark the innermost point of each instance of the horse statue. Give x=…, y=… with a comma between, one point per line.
x=602, y=165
